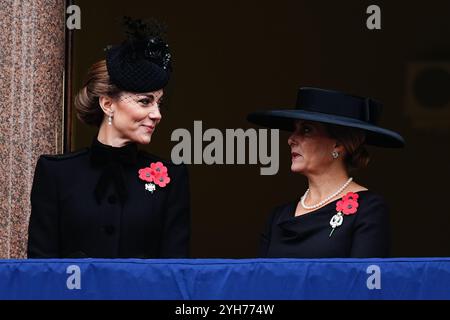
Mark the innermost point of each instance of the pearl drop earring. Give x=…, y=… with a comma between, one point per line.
x=110, y=119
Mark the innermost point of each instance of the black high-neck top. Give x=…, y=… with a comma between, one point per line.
x=112, y=160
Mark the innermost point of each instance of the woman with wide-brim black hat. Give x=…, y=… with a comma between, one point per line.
x=112, y=200
x=335, y=216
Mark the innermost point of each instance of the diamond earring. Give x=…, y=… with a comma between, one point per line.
x=335, y=154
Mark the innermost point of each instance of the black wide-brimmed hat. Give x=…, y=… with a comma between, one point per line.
x=332, y=107
x=142, y=63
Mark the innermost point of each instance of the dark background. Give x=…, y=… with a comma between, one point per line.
x=235, y=57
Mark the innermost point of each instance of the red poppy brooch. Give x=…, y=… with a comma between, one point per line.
x=347, y=206
x=154, y=175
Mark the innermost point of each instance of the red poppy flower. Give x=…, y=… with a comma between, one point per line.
x=158, y=168
x=350, y=196
x=161, y=179
x=146, y=174
x=347, y=207
x=156, y=173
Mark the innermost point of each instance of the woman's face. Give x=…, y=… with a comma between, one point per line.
x=136, y=115
x=311, y=148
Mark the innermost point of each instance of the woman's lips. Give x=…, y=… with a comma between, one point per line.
x=295, y=155
x=149, y=128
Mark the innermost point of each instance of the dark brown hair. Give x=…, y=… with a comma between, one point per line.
x=356, y=155
x=87, y=100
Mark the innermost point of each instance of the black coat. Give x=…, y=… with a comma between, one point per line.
x=364, y=234
x=92, y=203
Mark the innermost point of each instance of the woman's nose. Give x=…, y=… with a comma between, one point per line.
x=291, y=140
x=155, y=114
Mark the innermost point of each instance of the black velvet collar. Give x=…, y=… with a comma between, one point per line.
x=112, y=160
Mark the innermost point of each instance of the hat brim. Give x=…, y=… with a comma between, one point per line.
x=285, y=119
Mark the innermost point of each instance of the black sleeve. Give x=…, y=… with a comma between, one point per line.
x=176, y=232
x=371, y=238
x=43, y=239
x=266, y=234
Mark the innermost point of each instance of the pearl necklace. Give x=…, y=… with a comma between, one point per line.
x=321, y=203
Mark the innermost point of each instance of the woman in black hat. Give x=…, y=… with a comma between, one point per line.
x=335, y=217
x=112, y=200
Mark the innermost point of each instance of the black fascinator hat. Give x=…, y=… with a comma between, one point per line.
x=142, y=63
x=332, y=107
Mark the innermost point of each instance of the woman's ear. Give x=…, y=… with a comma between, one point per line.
x=106, y=104
x=339, y=147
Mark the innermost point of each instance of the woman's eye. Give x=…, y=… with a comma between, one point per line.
x=304, y=130
x=146, y=101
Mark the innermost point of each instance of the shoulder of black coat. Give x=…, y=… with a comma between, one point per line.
x=65, y=156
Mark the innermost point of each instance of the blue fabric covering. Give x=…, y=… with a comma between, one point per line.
x=247, y=279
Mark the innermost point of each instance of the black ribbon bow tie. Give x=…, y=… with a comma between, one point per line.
x=112, y=160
